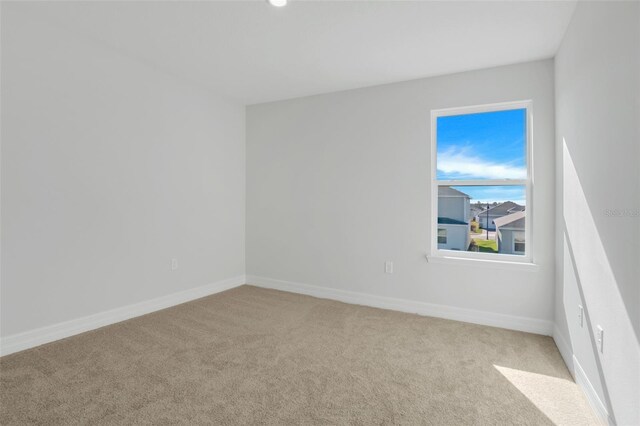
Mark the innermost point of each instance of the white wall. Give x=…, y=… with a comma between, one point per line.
x=110, y=168
x=339, y=183
x=598, y=152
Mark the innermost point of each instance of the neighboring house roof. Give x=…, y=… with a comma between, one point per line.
x=514, y=220
x=449, y=221
x=504, y=209
x=447, y=191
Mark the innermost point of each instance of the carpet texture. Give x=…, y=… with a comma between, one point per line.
x=258, y=356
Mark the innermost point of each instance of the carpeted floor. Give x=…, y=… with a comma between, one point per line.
x=257, y=356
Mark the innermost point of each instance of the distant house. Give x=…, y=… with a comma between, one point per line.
x=488, y=216
x=453, y=219
x=474, y=213
x=510, y=233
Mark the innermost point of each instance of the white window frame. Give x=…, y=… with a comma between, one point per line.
x=443, y=255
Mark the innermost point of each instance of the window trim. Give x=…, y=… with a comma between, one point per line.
x=497, y=258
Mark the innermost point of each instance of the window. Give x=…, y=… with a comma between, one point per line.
x=518, y=243
x=442, y=236
x=481, y=182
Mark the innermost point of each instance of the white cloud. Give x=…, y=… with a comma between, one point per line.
x=458, y=164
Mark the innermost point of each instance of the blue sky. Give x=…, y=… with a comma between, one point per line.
x=489, y=145
x=489, y=194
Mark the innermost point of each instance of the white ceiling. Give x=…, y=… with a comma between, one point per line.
x=252, y=52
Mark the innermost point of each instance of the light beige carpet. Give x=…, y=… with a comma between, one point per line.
x=257, y=356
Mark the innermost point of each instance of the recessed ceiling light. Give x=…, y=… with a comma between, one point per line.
x=277, y=3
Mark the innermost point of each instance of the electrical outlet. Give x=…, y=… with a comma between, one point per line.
x=174, y=264
x=388, y=267
x=580, y=316
x=600, y=338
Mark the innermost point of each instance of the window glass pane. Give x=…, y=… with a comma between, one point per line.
x=488, y=219
x=488, y=145
x=442, y=236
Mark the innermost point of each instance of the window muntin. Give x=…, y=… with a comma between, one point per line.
x=484, y=153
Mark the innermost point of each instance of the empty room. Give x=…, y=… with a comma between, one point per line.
x=299, y=212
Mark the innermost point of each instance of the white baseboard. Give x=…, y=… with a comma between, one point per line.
x=580, y=377
x=565, y=350
x=40, y=336
x=594, y=400
x=530, y=325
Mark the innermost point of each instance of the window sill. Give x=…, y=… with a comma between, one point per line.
x=484, y=263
